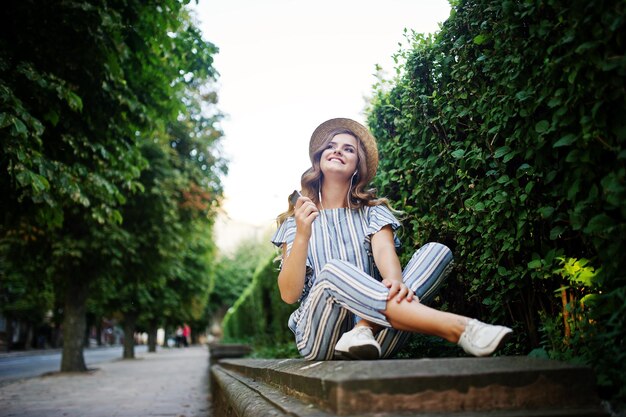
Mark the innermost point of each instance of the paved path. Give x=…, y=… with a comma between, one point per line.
x=171, y=382
x=31, y=363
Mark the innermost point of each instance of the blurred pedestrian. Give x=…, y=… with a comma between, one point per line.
x=179, y=336
x=186, y=335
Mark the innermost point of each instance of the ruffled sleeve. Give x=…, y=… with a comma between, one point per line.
x=286, y=233
x=377, y=218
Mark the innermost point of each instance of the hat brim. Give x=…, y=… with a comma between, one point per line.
x=367, y=139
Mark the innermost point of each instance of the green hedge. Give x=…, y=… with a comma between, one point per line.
x=260, y=317
x=503, y=137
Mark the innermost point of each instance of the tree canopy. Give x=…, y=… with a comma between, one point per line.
x=110, y=157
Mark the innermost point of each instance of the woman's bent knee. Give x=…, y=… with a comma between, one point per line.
x=439, y=247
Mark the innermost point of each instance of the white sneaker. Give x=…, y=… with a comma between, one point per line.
x=481, y=339
x=358, y=343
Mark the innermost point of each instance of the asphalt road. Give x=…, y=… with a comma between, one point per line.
x=17, y=366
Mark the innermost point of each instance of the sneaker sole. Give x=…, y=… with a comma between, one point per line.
x=359, y=353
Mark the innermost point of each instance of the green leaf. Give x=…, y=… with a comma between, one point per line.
x=32, y=180
x=19, y=126
x=576, y=220
x=458, y=154
x=508, y=157
x=480, y=39
x=556, y=232
x=4, y=120
x=501, y=151
x=74, y=101
x=539, y=353
x=52, y=116
x=586, y=46
x=500, y=198
x=523, y=95
x=555, y=101
x=573, y=189
x=590, y=300
x=542, y=126
x=600, y=223
x=39, y=183
x=573, y=156
x=565, y=140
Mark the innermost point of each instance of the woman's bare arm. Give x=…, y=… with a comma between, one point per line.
x=292, y=274
x=387, y=262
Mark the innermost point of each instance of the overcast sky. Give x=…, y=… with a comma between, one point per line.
x=288, y=65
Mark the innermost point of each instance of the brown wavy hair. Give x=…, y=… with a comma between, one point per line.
x=311, y=180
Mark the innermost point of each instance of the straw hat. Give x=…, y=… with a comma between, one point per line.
x=369, y=142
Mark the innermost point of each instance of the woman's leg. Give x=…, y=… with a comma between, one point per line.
x=424, y=277
x=340, y=291
x=424, y=274
x=475, y=337
x=418, y=318
x=427, y=270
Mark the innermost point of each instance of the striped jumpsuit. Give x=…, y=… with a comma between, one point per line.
x=342, y=283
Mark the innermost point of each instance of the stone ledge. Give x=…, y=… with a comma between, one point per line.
x=236, y=395
x=219, y=351
x=509, y=386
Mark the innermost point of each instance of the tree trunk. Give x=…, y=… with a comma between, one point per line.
x=152, y=336
x=130, y=320
x=74, y=323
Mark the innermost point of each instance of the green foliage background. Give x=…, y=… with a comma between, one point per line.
x=234, y=272
x=259, y=316
x=503, y=137
x=111, y=172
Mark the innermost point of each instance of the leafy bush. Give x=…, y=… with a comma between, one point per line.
x=260, y=316
x=234, y=272
x=503, y=137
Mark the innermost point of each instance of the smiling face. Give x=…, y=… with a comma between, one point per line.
x=340, y=156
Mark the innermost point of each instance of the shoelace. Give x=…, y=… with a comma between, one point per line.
x=364, y=331
x=469, y=331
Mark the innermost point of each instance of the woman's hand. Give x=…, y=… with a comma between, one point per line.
x=384, y=252
x=292, y=275
x=305, y=212
x=398, y=290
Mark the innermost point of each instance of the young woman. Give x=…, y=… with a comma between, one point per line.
x=339, y=261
